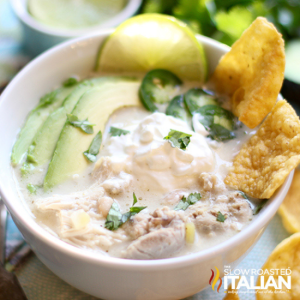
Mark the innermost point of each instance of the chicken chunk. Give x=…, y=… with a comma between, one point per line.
x=174, y=197
x=142, y=224
x=158, y=244
x=233, y=206
x=211, y=183
x=104, y=205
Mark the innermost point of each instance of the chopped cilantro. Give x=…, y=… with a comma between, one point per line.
x=186, y=202
x=47, y=99
x=115, y=218
x=114, y=131
x=178, y=139
x=134, y=199
x=259, y=207
x=70, y=82
x=93, y=150
x=221, y=217
x=84, y=125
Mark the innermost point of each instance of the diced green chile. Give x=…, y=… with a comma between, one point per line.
x=156, y=87
x=176, y=108
x=218, y=121
x=32, y=188
x=196, y=98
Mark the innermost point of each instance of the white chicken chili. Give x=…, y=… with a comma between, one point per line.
x=182, y=205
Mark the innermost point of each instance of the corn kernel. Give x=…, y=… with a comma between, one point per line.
x=189, y=233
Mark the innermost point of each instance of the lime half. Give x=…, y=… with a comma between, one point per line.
x=154, y=41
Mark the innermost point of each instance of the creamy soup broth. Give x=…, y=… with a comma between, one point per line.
x=144, y=163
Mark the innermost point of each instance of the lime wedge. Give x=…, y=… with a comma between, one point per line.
x=74, y=14
x=154, y=41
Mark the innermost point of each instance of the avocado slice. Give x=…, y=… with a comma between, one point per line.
x=96, y=105
x=36, y=118
x=42, y=147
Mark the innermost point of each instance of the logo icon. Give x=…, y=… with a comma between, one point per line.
x=213, y=282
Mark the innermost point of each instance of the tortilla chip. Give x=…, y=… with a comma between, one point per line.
x=269, y=156
x=252, y=72
x=289, y=210
x=285, y=256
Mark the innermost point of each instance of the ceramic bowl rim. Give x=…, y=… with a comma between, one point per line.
x=260, y=221
x=19, y=7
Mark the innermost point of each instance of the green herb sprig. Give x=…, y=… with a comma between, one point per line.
x=186, y=202
x=84, y=125
x=70, y=82
x=221, y=217
x=94, y=147
x=115, y=218
x=114, y=131
x=178, y=139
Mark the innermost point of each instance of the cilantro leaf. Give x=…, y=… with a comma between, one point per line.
x=178, y=139
x=115, y=218
x=94, y=147
x=221, y=217
x=259, y=207
x=70, y=82
x=84, y=125
x=186, y=202
x=135, y=210
x=47, y=99
x=134, y=199
x=114, y=131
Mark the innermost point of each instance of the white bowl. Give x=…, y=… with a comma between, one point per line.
x=108, y=277
x=38, y=37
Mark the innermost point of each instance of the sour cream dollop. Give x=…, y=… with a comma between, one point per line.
x=151, y=159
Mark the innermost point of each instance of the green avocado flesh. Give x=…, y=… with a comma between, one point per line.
x=36, y=118
x=96, y=105
x=44, y=142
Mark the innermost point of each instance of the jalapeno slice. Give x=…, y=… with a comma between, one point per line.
x=218, y=121
x=176, y=108
x=196, y=98
x=157, y=87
